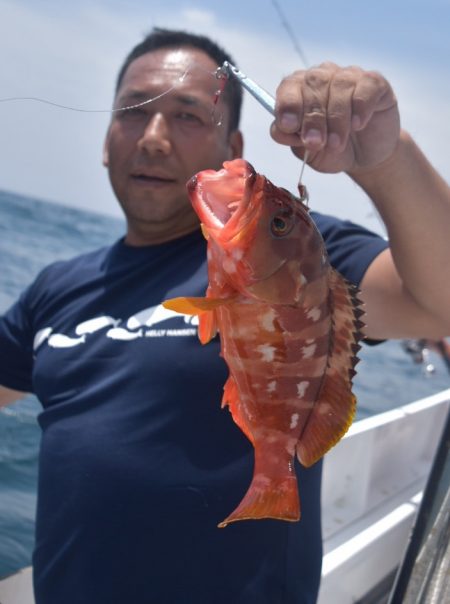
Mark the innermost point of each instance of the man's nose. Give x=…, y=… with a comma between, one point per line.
x=156, y=136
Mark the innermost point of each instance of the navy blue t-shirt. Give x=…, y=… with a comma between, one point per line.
x=138, y=462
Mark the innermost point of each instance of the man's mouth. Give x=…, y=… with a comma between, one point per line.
x=152, y=179
x=146, y=178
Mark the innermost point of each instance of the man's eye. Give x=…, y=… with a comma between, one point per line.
x=135, y=112
x=190, y=118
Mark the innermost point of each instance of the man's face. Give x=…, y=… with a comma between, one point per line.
x=152, y=151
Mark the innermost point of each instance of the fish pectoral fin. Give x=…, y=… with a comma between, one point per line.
x=205, y=308
x=194, y=306
x=186, y=306
x=335, y=408
x=207, y=326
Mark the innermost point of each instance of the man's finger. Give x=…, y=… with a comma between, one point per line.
x=372, y=93
x=289, y=104
x=339, y=111
x=315, y=100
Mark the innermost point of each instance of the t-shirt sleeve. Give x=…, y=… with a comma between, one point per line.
x=351, y=248
x=16, y=346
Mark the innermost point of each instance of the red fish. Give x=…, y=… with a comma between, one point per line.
x=289, y=326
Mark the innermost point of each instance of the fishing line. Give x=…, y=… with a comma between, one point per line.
x=81, y=110
x=116, y=110
x=290, y=32
x=294, y=39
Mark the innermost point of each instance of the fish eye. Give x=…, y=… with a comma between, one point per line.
x=281, y=224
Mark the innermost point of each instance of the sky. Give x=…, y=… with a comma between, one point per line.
x=69, y=53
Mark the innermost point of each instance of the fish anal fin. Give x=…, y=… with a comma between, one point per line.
x=335, y=408
x=231, y=398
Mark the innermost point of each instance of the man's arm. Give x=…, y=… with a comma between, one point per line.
x=7, y=396
x=348, y=121
x=407, y=288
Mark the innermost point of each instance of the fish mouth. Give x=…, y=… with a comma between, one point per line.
x=221, y=198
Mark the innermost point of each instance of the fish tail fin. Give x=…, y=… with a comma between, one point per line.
x=269, y=497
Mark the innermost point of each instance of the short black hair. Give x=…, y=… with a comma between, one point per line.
x=169, y=38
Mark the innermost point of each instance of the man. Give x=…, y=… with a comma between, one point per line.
x=138, y=463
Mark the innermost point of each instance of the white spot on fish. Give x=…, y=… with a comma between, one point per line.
x=271, y=386
x=267, y=320
x=241, y=330
x=314, y=313
x=237, y=254
x=294, y=421
x=41, y=336
x=303, y=279
x=261, y=480
x=59, y=340
x=272, y=439
x=229, y=265
x=267, y=351
x=92, y=325
x=119, y=333
x=308, y=351
x=301, y=388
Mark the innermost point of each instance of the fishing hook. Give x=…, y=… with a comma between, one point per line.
x=266, y=100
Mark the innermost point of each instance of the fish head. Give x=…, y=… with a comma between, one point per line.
x=261, y=239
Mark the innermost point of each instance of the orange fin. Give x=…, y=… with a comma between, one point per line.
x=231, y=398
x=207, y=326
x=204, y=307
x=335, y=408
x=270, y=495
x=205, y=231
x=277, y=500
x=193, y=306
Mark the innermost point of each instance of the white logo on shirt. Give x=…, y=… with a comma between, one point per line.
x=137, y=326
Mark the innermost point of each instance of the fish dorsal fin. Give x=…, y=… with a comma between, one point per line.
x=335, y=407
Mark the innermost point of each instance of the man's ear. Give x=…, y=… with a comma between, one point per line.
x=236, y=144
x=105, y=156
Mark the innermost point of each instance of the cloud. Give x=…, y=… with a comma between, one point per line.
x=71, y=55
x=197, y=18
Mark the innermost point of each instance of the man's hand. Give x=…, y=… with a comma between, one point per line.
x=346, y=118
